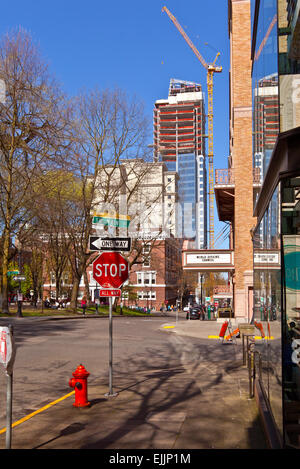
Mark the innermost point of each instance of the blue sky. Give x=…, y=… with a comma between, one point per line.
x=131, y=45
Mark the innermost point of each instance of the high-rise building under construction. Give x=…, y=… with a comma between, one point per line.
x=179, y=142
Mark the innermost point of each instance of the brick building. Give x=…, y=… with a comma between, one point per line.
x=156, y=252
x=235, y=191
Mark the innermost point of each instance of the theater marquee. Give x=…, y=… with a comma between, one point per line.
x=218, y=260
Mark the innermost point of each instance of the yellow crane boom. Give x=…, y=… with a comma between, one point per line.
x=211, y=69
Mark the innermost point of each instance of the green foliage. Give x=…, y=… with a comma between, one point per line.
x=27, y=284
x=12, y=284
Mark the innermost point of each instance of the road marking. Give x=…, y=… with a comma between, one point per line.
x=168, y=327
x=266, y=337
x=38, y=411
x=257, y=337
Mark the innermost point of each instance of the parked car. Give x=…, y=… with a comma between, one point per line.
x=193, y=313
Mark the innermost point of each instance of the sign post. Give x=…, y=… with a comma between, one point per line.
x=110, y=270
x=111, y=393
x=7, y=358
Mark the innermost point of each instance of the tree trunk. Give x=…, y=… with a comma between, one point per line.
x=5, y=308
x=87, y=287
x=74, y=293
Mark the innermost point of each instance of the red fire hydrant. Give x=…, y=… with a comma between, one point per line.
x=79, y=383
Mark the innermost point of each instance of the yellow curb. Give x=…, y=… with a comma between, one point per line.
x=266, y=337
x=256, y=337
x=168, y=327
x=38, y=411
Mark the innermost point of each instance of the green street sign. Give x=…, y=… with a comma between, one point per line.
x=13, y=272
x=121, y=221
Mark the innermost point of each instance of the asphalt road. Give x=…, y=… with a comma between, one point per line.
x=49, y=351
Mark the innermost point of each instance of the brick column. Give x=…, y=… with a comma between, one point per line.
x=241, y=151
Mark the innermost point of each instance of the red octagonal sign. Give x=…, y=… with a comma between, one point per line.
x=110, y=270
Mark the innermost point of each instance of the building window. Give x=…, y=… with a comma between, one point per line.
x=146, y=248
x=146, y=278
x=147, y=295
x=139, y=278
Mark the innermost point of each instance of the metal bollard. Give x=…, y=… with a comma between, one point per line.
x=251, y=368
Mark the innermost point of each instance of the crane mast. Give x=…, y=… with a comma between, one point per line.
x=211, y=69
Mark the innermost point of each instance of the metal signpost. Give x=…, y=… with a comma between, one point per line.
x=110, y=270
x=7, y=358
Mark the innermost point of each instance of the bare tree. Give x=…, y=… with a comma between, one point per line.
x=111, y=161
x=32, y=138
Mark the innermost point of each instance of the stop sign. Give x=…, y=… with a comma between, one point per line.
x=110, y=270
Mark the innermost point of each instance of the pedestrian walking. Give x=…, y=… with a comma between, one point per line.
x=83, y=305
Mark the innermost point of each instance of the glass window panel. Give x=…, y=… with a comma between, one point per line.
x=265, y=86
x=267, y=303
x=291, y=297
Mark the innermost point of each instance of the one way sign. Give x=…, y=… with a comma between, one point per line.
x=109, y=244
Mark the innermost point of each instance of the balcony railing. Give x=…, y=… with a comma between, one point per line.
x=225, y=177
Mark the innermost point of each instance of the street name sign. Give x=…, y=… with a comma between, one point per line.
x=109, y=244
x=111, y=219
x=110, y=292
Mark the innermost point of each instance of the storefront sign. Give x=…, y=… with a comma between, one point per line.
x=218, y=260
x=266, y=258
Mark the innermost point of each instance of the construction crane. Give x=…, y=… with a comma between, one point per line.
x=211, y=69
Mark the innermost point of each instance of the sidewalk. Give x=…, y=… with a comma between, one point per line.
x=197, y=404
